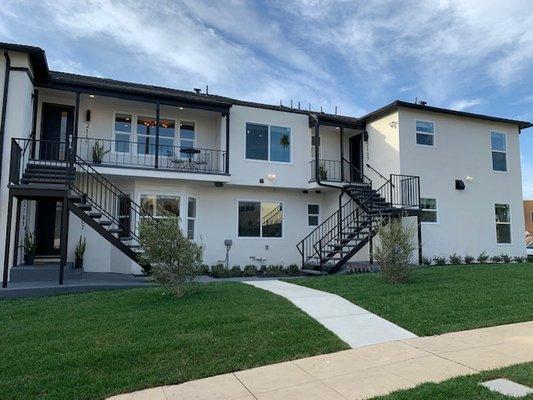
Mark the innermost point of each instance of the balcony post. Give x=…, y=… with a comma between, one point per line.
x=74, y=148
x=8, y=239
x=342, y=152
x=157, y=112
x=226, y=167
x=34, y=122
x=317, y=150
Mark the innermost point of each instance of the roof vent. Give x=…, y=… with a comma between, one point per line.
x=423, y=103
x=197, y=90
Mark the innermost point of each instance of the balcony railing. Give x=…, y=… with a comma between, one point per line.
x=121, y=153
x=337, y=171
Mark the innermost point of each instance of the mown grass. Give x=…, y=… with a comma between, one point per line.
x=90, y=346
x=467, y=387
x=441, y=299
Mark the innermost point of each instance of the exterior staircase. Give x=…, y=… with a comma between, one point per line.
x=344, y=233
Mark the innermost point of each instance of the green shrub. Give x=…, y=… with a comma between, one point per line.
x=469, y=259
x=426, y=261
x=203, y=270
x=530, y=259
x=235, y=271
x=175, y=259
x=483, y=257
x=394, y=251
x=262, y=271
x=456, y=259
x=274, y=270
x=440, y=260
x=293, y=270
x=519, y=259
x=219, y=271
x=496, y=259
x=506, y=258
x=250, y=270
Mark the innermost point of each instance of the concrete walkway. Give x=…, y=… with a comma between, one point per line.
x=353, y=324
x=364, y=372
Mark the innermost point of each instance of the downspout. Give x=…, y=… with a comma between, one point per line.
x=4, y=109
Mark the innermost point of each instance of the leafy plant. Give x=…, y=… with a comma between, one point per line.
x=519, y=259
x=219, y=271
x=235, y=271
x=469, y=259
x=293, y=270
x=250, y=270
x=203, y=269
x=262, y=271
x=506, y=258
x=456, y=259
x=79, y=252
x=274, y=270
x=322, y=172
x=284, y=141
x=29, y=248
x=483, y=257
x=496, y=259
x=440, y=260
x=175, y=259
x=426, y=261
x=98, y=152
x=394, y=251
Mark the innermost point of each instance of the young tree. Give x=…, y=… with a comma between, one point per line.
x=175, y=259
x=394, y=252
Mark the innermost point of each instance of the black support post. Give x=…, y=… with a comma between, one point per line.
x=317, y=150
x=34, y=121
x=64, y=239
x=74, y=144
x=419, y=231
x=8, y=239
x=157, y=117
x=227, y=144
x=342, y=151
x=17, y=238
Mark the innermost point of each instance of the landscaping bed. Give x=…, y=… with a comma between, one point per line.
x=441, y=299
x=94, y=345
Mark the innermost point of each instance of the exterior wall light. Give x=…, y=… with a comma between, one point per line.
x=271, y=176
x=91, y=96
x=469, y=178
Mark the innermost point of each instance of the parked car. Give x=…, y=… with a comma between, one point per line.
x=529, y=250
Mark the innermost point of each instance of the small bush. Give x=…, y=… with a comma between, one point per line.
x=203, y=270
x=262, y=271
x=440, y=260
x=293, y=270
x=235, y=271
x=394, y=251
x=175, y=259
x=496, y=259
x=530, y=259
x=274, y=270
x=469, y=259
x=426, y=261
x=219, y=271
x=483, y=257
x=506, y=258
x=456, y=259
x=519, y=259
x=249, y=270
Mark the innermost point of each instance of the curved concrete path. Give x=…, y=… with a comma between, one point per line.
x=352, y=324
x=364, y=372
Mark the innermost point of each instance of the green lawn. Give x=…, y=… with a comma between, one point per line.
x=441, y=299
x=90, y=346
x=467, y=387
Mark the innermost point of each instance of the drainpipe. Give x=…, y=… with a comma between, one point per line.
x=4, y=109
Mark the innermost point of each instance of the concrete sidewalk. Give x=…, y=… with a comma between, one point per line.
x=364, y=372
x=352, y=324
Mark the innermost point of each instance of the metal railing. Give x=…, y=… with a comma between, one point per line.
x=147, y=155
x=337, y=171
x=401, y=191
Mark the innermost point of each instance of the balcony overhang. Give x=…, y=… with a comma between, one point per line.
x=339, y=121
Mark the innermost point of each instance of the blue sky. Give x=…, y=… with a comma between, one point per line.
x=472, y=55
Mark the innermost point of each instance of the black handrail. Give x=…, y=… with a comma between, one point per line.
x=376, y=171
x=337, y=171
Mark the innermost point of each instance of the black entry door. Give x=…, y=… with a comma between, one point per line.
x=48, y=227
x=356, y=158
x=57, y=125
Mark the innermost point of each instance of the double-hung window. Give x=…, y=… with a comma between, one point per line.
x=122, y=130
x=260, y=219
x=313, y=214
x=191, y=217
x=268, y=143
x=146, y=136
x=498, y=144
x=429, y=210
x=425, y=133
x=503, y=223
x=158, y=205
x=187, y=136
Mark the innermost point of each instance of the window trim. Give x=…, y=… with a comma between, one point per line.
x=143, y=115
x=260, y=237
x=192, y=218
x=114, y=133
x=436, y=210
x=312, y=215
x=434, y=134
x=503, y=223
x=178, y=132
x=506, y=152
x=531, y=217
x=268, y=145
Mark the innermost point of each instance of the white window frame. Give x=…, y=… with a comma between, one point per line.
x=157, y=194
x=195, y=140
x=268, y=144
x=189, y=218
x=260, y=237
x=143, y=115
x=503, y=223
x=499, y=151
x=436, y=211
x=434, y=134
x=114, y=133
x=313, y=215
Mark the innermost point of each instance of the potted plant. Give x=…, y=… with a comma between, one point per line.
x=322, y=172
x=79, y=252
x=29, y=248
x=99, y=152
x=285, y=141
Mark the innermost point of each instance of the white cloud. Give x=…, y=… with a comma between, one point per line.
x=463, y=104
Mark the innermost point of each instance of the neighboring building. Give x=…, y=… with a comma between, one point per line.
x=528, y=215
x=101, y=154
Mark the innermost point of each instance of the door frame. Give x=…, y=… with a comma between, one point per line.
x=51, y=251
x=351, y=146
x=71, y=108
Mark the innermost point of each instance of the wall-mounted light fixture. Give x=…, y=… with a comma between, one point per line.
x=181, y=108
x=459, y=184
x=469, y=178
x=91, y=96
x=271, y=176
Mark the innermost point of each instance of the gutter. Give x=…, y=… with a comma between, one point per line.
x=4, y=108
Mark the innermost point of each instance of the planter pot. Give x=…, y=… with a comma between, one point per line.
x=78, y=263
x=29, y=259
